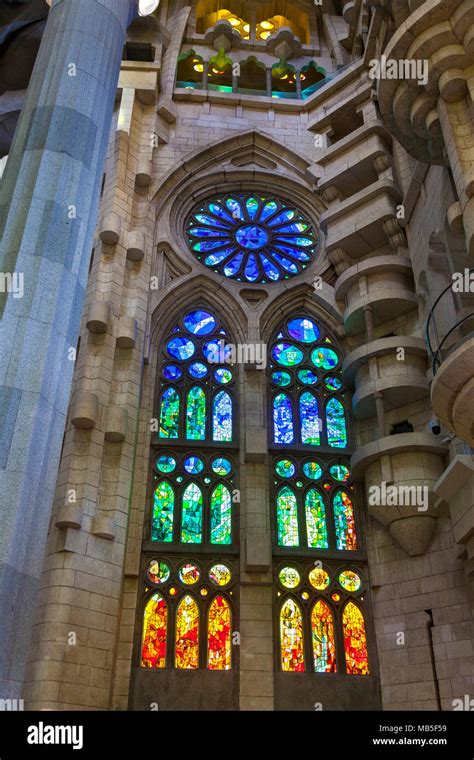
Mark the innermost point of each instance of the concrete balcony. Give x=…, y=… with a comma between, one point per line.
x=452, y=391
x=358, y=224
x=383, y=283
x=376, y=368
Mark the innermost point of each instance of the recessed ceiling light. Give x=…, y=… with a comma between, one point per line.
x=145, y=7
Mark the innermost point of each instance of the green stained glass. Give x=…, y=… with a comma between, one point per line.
x=336, y=424
x=196, y=414
x=350, y=581
x=222, y=417
x=281, y=378
x=169, y=414
x=307, y=376
x=287, y=354
x=221, y=515
x=325, y=358
x=287, y=518
x=191, y=527
x=221, y=466
x=163, y=513
x=289, y=577
x=340, y=472
x=312, y=470
x=285, y=469
x=344, y=521
x=165, y=463
x=316, y=520
x=310, y=422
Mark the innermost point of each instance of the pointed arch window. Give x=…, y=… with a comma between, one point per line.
x=188, y=622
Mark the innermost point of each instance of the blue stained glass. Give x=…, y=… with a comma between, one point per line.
x=193, y=465
x=303, y=329
x=222, y=375
x=221, y=466
x=251, y=236
x=197, y=370
x=270, y=269
x=233, y=266
x=336, y=424
x=332, y=383
x=216, y=351
x=312, y=470
x=287, y=354
x=207, y=219
x=165, y=463
x=307, y=377
x=200, y=322
x=276, y=238
x=251, y=269
x=287, y=265
x=294, y=252
x=222, y=417
x=217, y=258
x=283, y=431
x=180, y=348
x=310, y=422
x=172, y=372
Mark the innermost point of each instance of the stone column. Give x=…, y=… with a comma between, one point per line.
x=48, y=207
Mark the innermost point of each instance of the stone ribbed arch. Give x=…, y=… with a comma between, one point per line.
x=177, y=297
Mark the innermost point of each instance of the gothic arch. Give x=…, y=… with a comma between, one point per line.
x=319, y=304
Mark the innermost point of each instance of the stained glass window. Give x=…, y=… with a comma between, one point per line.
x=219, y=635
x=252, y=238
x=322, y=633
x=355, y=643
x=202, y=630
x=309, y=413
x=291, y=637
x=321, y=621
x=187, y=634
x=192, y=492
x=154, y=633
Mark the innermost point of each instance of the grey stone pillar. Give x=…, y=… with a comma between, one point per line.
x=49, y=198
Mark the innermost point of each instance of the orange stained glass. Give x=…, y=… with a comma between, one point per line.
x=291, y=637
x=219, y=635
x=322, y=634
x=154, y=633
x=187, y=634
x=355, y=641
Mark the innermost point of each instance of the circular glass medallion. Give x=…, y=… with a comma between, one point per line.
x=285, y=469
x=325, y=358
x=220, y=575
x=332, y=383
x=303, y=329
x=289, y=577
x=216, y=351
x=158, y=572
x=221, y=466
x=340, y=472
x=350, y=581
x=312, y=470
x=319, y=579
x=200, y=322
x=222, y=375
x=172, y=372
x=281, y=378
x=165, y=463
x=287, y=354
x=193, y=465
x=251, y=236
x=307, y=376
x=189, y=574
x=197, y=370
x=180, y=348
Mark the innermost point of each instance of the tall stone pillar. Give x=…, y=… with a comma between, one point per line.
x=48, y=206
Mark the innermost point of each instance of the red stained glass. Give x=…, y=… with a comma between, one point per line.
x=322, y=631
x=187, y=634
x=291, y=636
x=219, y=635
x=355, y=642
x=154, y=633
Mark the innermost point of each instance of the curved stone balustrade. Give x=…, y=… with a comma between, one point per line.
x=452, y=391
x=375, y=368
x=390, y=462
x=383, y=283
